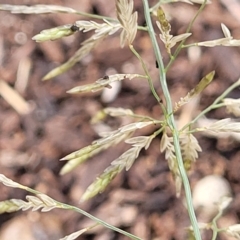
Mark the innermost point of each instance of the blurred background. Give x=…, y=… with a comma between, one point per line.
x=45, y=123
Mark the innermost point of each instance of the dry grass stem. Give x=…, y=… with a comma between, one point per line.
x=14, y=98
x=23, y=74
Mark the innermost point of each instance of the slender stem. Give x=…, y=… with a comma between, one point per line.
x=171, y=122
x=70, y=207
x=183, y=41
x=214, y=225
x=146, y=72
x=105, y=224
x=143, y=118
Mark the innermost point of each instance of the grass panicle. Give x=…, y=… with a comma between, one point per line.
x=181, y=147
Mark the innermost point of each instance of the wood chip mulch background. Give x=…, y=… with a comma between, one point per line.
x=141, y=200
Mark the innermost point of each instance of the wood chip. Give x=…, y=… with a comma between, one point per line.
x=14, y=98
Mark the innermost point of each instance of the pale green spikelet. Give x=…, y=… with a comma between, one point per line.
x=55, y=33
x=205, y=81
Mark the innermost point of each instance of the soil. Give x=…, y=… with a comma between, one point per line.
x=142, y=200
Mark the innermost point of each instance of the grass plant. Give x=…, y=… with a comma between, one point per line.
x=181, y=147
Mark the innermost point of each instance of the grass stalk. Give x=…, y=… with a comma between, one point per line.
x=171, y=122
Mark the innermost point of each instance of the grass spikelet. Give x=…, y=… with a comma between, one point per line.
x=228, y=40
x=232, y=106
x=117, y=112
x=234, y=231
x=109, y=139
x=102, y=83
x=101, y=182
x=164, y=24
x=165, y=28
x=40, y=201
x=9, y=206
x=224, y=125
x=9, y=183
x=55, y=33
x=36, y=9
x=190, y=149
x=77, y=233
x=226, y=31
x=79, y=159
x=101, y=31
x=205, y=81
x=86, y=47
x=166, y=145
x=124, y=161
x=128, y=20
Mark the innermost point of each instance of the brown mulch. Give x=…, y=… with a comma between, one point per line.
x=142, y=200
